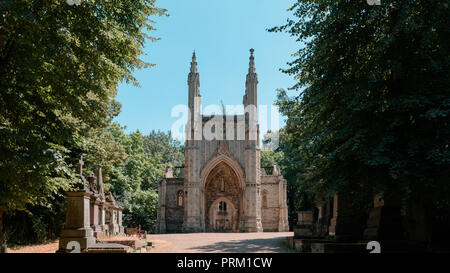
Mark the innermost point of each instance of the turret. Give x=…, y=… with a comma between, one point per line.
x=194, y=99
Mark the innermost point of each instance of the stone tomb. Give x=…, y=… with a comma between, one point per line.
x=87, y=218
x=345, y=221
x=304, y=227
x=329, y=228
x=385, y=222
x=334, y=227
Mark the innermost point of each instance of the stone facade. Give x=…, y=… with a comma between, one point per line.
x=222, y=186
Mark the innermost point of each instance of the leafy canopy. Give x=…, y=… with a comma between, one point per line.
x=134, y=180
x=59, y=69
x=371, y=113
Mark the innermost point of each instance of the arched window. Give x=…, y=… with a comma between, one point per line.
x=264, y=199
x=222, y=206
x=180, y=198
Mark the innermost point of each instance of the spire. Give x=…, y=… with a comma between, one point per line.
x=194, y=100
x=251, y=68
x=251, y=84
x=193, y=77
x=194, y=63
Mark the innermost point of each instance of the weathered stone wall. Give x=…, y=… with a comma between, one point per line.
x=273, y=203
x=272, y=199
x=174, y=213
x=270, y=211
x=208, y=148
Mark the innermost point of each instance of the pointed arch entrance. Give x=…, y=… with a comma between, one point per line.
x=222, y=196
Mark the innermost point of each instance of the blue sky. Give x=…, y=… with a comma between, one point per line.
x=221, y=33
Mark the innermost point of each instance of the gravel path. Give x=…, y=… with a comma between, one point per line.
x=50, y=247
x=268, y=242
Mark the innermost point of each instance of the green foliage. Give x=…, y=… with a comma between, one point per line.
x=134, y=180
x=37, y=223
x=298, y=196
x=271, y=158
x=60, y=66
x=162, y=144
x=130, y=173
x=137, y=169
x=102, y=148
x=59, y=70
x=142, y=211
x=372, y=109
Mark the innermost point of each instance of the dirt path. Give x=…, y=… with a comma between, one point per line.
x=269, y=242
x=43, y=248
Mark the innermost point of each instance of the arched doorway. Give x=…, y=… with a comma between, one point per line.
x=222, y=199
x=222, y=215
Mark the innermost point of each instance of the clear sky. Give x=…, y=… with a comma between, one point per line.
x=221, y=33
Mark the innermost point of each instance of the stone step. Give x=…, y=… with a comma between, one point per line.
x=108, y=248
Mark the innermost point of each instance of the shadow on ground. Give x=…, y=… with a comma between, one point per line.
x=273, y=245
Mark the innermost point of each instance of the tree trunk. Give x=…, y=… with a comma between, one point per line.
x=2, y=235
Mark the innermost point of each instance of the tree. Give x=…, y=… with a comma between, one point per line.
x=298, y=196
x=60, y=66
x=276, y=147
x=162, y=144
x=270, y=155
x=372, y=110
x=134, y=180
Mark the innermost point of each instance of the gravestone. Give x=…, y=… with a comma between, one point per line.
x=121, y=228
x=304, y=226
x=321, y=219
x=85, y=216
x=345, y=222
x=385, y=221
x=78, y=216
x=102, y=218
x=95, y=217
x=94, y=206
x=113, y=216
x=77, y=227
